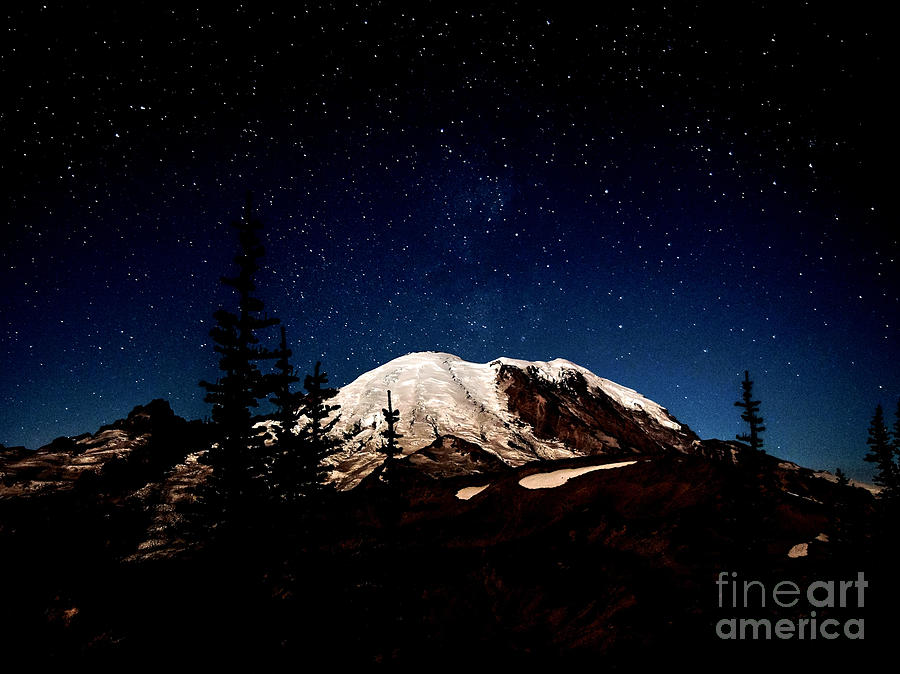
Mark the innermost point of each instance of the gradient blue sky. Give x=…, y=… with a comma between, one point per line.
x=665, y=196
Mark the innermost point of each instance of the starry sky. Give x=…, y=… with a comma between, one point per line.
x=666, y=195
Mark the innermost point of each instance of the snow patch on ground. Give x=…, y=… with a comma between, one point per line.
x=805, y=498
x=558, y=478
x=466, y=493
x=826, y=475
x=799, y=550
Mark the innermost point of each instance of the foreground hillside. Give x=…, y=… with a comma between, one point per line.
x=539, y=514
x=613, y=566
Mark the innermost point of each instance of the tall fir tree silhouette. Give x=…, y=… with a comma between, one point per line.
x=750, y=415
x=237, y=458
x=287, y=402
x=284, y=472
x=315, y=438
x=881, y=453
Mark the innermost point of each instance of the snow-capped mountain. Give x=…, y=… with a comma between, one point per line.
x=459, y=417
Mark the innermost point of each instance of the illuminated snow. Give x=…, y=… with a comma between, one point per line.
x=799, y=550
x=558, y=478
x=440, y=394
x=466, y=493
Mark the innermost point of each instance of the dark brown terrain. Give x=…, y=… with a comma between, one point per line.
x=109, y=555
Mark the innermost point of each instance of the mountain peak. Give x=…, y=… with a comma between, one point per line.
x=507, y=411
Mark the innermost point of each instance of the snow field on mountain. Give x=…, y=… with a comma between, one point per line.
x=440, y=394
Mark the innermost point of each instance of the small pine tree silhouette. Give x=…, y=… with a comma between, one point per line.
x=750, y=415
x=237, y=459
x=881, y=453
x=896, y=437
x=843, y=525
x=389, y=446
x=842, y=479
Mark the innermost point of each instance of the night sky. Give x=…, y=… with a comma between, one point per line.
x=665, y=196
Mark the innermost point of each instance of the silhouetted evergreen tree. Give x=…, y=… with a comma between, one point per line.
x=297, y=468
x=884, y=523
x=750, y=415
x=315, y=438
x=842, y=479
x=897, y=434
x=846, y=529
x=390, y=499
x=390, y=447
x=881, y=453
x=287, y=402
x=284, y=475
x=237, y=458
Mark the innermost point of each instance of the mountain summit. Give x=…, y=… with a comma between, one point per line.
x=458, y=417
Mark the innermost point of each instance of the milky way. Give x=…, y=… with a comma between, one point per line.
x=665, y=196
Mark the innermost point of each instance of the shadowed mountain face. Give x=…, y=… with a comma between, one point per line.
x=585, y=417
x=541, y=514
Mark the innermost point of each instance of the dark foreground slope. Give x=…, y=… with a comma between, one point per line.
x=615, y=569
